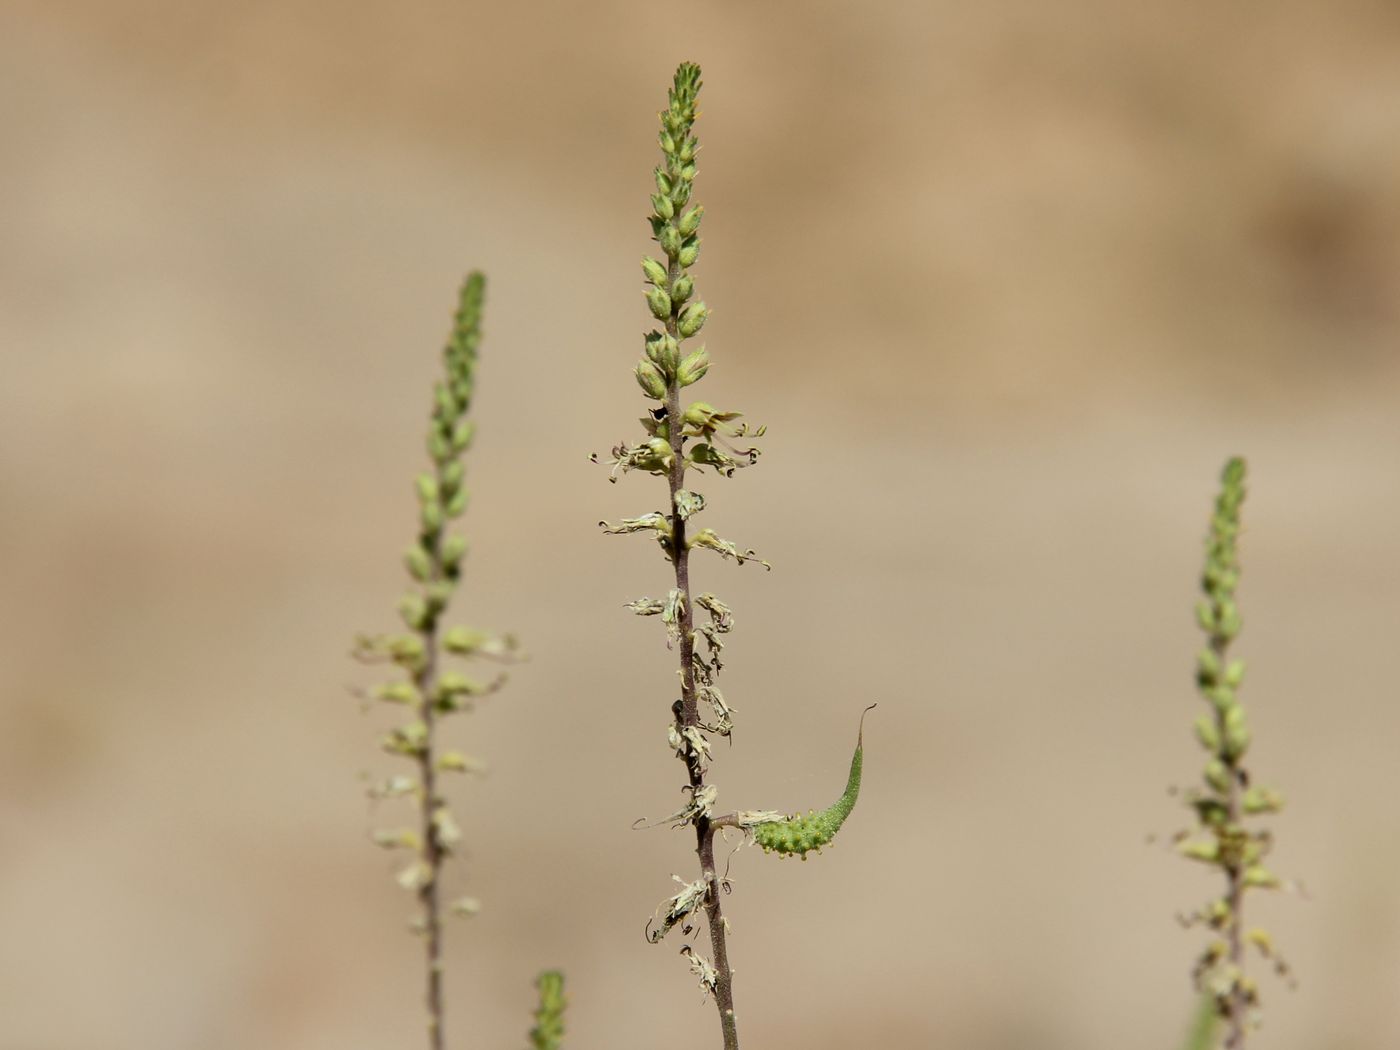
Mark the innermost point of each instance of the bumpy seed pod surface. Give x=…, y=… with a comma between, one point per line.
x=801, y=835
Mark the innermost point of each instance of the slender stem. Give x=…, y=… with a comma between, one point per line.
x=689, y=714
x=1234, y=891
x=1234, y=895
x=425, y=680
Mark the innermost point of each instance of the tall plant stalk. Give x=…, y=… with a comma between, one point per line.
x=425, y=685
x=680, y=439
x=1225, y=837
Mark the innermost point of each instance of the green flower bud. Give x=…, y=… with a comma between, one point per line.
x=457, y=505
x=654, y=271
x=1230, y=620
x=650, y=379
x=438, y=595
x=419, y=565
x=430, y=518
x=462, y=435
x=1205, y=616
x=1206, y=851
x=1261, y=800
x=687, y=254
x=1212, y=812
x=1236, y=733
x=690, y=221
x=397, y=693
x=1207, y=733
x=410, y=740
x=659, y=450
x=664, y=352
x=454, y=549
x=446, y=404
x=1207, y=667
x=464, y=641
x=451, y=476
x=692, y=319
x=663, y=182
x=1237, y=742
x=662, y=205
x=453, y=685
x=1217, y=775
x=427, y=488
x=456, y=762
x=694, y=367
x=1261, y=878
x=659, y=303
x=670, y=240
x=414, y=611
x=682, y=289
x=439, y=446
x=1222, y=696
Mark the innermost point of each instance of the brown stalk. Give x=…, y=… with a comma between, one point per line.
x=689, y=713
x=425, y=681
x=1234, y=875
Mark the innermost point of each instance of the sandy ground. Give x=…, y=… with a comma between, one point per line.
x=1006, y=286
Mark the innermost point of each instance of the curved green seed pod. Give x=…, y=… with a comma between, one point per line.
x=800, y=834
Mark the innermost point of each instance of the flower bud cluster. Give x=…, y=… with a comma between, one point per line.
x=1226, y=797
x=423, y=684
x=675, y=225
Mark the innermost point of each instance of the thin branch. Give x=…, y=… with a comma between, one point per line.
x=690, y=703
x=433, y=853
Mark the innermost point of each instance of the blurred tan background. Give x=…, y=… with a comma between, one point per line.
x=1007, y=282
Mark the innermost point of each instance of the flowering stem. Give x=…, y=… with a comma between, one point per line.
x=689, y=714
x=683, y=438
x=429, y=687
x=1234, y=885
x=1228, y=798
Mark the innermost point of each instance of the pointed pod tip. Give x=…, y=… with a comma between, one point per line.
x=860, y=734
